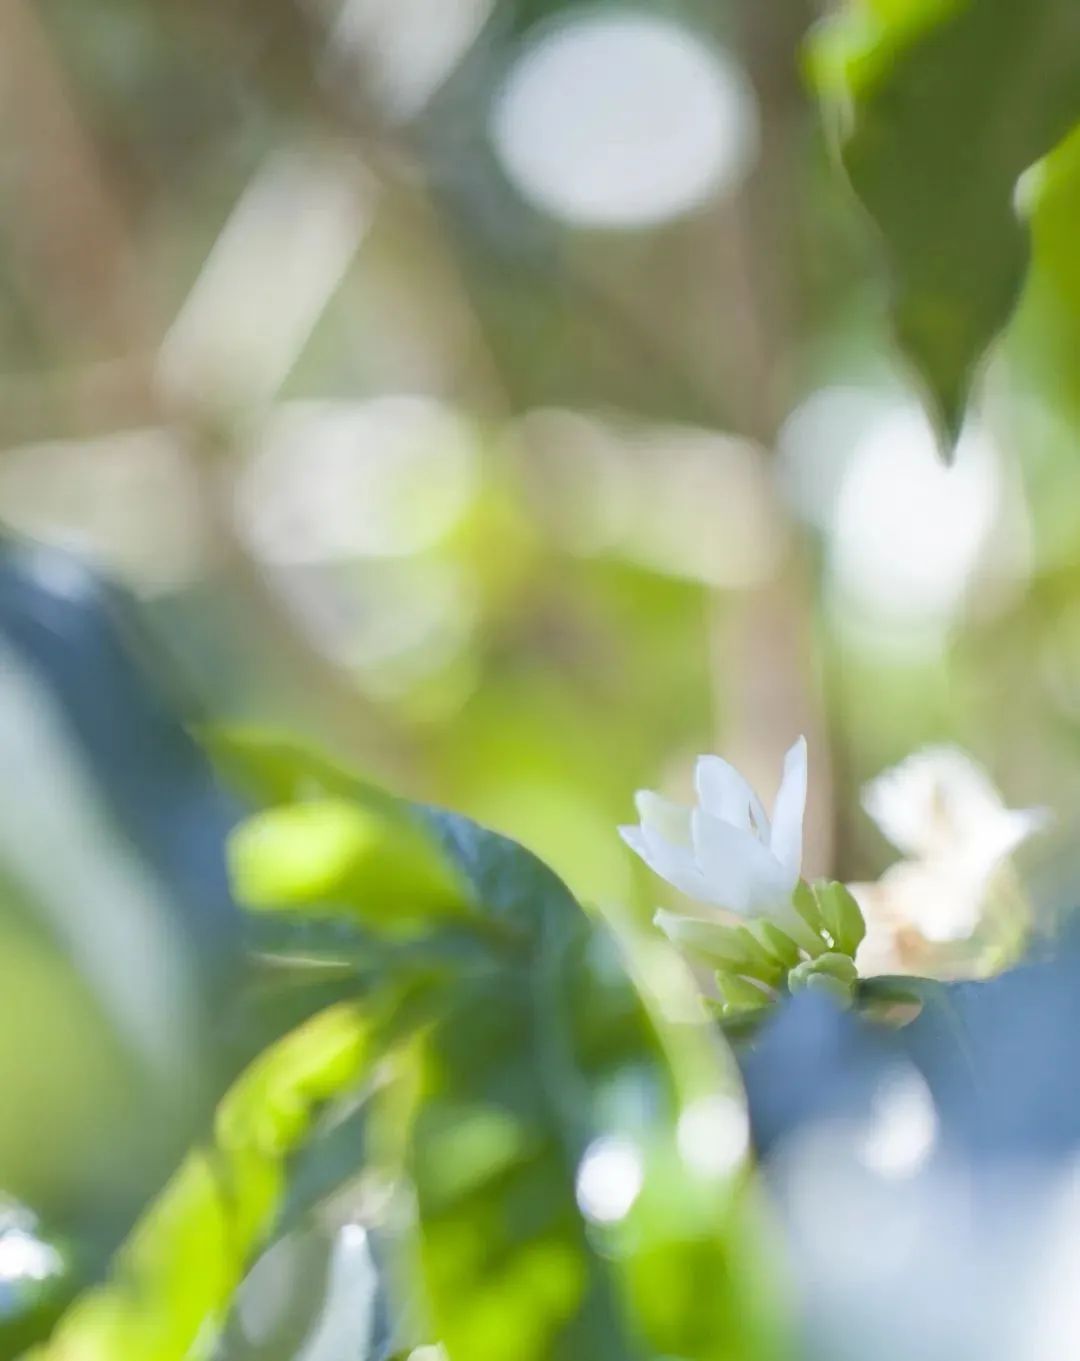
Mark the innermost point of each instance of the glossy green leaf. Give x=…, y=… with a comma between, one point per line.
x=1054, y=202
x=335, y=851
x=576, y=1158
x=941, y=105
x=1047, y=335
x=542, y=1061
x=175, y=1277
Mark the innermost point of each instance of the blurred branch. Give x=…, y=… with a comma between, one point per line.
x=92, y=399
x=763, y=645
x=68, y=233
x=335, y=708
x=73, y=240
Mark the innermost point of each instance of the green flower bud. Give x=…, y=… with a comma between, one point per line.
x=813, y=939
x=777, y=942
x=831, y=973
x=740, y=996
x=841, y=993
x=841, y=915
x=732, y=949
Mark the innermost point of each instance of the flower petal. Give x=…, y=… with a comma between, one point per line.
x=727, y=795
x=939, y=803
x=932, y=801
x=670, y=820
x=739, y=872
x=786, y=840
x=1022, y=823
x=673, y=863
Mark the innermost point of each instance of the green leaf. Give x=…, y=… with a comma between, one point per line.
x=328, y=1161
x=173, y=1281
x=941, y=105
x=547, y=1049
x=271, y=769
x=1054, y=202
x=1047, y=334
x=381, y=866
x=899, y=998
x=575, y=1156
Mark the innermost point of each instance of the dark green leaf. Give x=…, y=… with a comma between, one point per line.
x=942, y=105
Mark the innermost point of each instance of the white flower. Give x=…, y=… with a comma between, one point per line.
x=942, y=810
x=725, y=851
x=940, y=805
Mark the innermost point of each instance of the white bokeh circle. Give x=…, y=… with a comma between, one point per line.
x=616, y=120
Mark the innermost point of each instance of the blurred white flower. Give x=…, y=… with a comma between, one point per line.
x=920, y=916
x=939, y=804
x=942, y=810
x=725, y=851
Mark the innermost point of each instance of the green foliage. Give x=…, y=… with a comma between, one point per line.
x=757, y=961
x=554, y=1060
x=840, y=915
x=1049, y=322
x=574, y=1158
x=175, y=1277
x=941, y=105
x=333, y=850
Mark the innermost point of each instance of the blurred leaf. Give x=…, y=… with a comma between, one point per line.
x=942, y=105
x=328, y=1161
x=81, y=636
x=541, y=1056
x=302, y=964
x=177, y=1274
x=334, y=850
x=316, y=1295
x=1055, y=205
x=271, y=769
x=561, y=1208
x=1048, y=329
x=732, y=948
x=118, y=936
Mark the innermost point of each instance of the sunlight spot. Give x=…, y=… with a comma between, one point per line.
x=624, y=121
x=128, y=499
x=406, y=49
x=909, y=530
x=272, y=270
x=713, y=1135
x=26, y=1258
x=609, y=1179
x=389, y=477
x=902, y=1129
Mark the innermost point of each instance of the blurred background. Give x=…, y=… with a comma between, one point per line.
x=501, y=394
